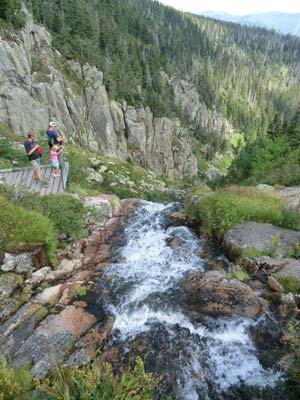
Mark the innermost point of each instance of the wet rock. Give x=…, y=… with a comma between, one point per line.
x=176, y=218
x=8, y=284
x=52, y=339
x=274, y=284
x=214, y=295
x=49, y=295
x=261, y=237
x=267, y=335
x=21, y=263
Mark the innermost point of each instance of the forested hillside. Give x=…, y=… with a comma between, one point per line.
x=248, y=74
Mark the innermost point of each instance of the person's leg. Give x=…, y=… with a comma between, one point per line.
x=37, y=171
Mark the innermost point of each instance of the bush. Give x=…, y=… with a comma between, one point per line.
x=66, y=213
x=78, y=384
x=20, y=229
x=14, y=384
x=234, y=205
x=89, y=383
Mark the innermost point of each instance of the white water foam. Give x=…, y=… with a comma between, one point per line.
x=153, y=268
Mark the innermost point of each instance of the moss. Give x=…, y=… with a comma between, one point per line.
x=41, y=314
x=78, y=293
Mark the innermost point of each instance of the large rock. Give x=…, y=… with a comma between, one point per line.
x=262, y=237
x=18, y=263
x=211, y=294
x=290, y=195
x=49, y=295
x=8, y=283
x=52, y=339
x=291, y=269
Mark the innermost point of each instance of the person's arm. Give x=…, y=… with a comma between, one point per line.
x=30, y=152
x=58, y=137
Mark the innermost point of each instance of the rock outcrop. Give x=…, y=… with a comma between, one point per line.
x=290, y=195
x=211, y=294
x=55, y=315
x=274, y=266
x=37, y=84
x=261, y=237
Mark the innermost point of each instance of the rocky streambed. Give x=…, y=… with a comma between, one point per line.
x=140, y=285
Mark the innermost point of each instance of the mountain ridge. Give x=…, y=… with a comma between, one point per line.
x=286, y=23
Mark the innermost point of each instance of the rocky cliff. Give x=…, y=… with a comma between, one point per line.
x=38, y=85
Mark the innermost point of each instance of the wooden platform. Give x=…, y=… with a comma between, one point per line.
x=23, y=177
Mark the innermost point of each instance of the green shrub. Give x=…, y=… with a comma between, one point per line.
x=14, y=384
x=66, y=213
x=20, y=229
x=234, y=205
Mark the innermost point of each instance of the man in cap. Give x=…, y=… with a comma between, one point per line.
x=54, y=138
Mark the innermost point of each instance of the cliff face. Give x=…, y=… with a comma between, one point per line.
x=37, y=85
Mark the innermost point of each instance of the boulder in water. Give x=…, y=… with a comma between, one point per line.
x=214, y=295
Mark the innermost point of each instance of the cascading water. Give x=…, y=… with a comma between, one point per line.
x=143, y=293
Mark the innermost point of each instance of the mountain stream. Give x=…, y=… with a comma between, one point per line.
x=211, y=359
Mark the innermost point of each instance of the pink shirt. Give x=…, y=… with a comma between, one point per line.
x=54, y=156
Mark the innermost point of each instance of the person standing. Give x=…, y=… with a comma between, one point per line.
x=54, y=158
x=33, y=156
x=54, y=138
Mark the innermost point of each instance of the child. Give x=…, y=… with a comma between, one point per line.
x=54, y=158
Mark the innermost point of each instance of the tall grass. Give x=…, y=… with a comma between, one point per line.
x=225, y=208
x=21, y=229
x=86, y=383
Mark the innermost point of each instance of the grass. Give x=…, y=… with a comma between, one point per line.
x=124, y=179
x=20, y=229
x=290, y=284
x=239, y=275
x=65, y=213
x=225, y=208
x=84, y=383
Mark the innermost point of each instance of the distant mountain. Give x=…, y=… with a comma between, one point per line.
x=282, y=22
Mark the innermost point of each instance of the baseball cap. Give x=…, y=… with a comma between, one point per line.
x=51, y=123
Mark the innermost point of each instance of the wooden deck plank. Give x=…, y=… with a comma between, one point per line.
x=25, y=177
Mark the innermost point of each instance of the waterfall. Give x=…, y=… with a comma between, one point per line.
x=143, y=294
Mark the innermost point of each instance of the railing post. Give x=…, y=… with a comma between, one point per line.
x=62, y=166
x=10, y=155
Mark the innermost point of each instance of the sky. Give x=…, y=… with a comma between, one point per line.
x=236, y=7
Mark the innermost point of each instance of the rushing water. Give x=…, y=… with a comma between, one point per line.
x=144, y=296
